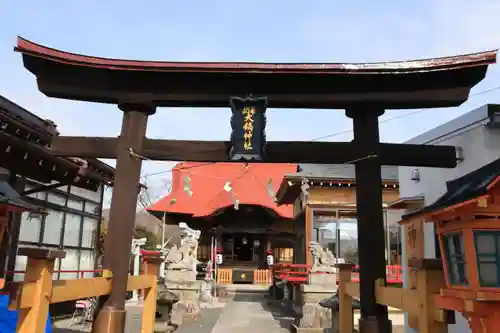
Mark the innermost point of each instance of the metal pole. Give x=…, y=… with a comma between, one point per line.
x=215, y=267
x=338, y=243
x=137, y=263
x=336, y=237
x=162, y=266
x=388, y=238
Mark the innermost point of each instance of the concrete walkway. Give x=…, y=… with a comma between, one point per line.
x=245, y=312
x=248, y=312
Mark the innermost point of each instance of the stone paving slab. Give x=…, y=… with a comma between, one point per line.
x=132, y=325
x=205, y=324
x=247, y=313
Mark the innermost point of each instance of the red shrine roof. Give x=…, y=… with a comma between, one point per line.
x=249, y=183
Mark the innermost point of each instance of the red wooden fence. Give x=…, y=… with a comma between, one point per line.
x=299, y=273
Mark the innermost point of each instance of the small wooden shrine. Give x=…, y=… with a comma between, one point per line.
x=467, y=221
x=330, y=197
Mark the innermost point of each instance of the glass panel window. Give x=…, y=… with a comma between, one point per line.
x=56, y=198
x=75, y=204
x=487, y=253
x=91, y=208
x=87, y=194
x=38, y=195
x=30, y=228
x=72, y=229
x=63, y=188
x=69, y=265
x=87, y=263
x=53, y=227
x=456, y=258
x=20, y=268
x=89, y=232
x=55, y=275
x=486, y=243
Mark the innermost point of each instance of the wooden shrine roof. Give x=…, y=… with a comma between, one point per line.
x=290, y=189
x=249, y=183
x=25, y=141
x=340, y=172
x=435, y=82
x=10, y=197
x=469, y=187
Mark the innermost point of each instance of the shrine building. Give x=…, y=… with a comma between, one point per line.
x=251, y=209
x=51, y=202
x=328, y=203
x=233, y=205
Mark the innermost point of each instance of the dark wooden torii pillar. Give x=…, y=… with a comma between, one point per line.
x=111, y=317
x=371, y=236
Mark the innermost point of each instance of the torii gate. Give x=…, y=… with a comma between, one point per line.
x=365, y=91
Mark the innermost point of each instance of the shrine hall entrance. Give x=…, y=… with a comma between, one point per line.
x=241, y=249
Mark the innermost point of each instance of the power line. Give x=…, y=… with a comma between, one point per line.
x=404, y=115
x=329, y=135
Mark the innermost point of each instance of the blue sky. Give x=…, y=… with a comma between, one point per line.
x=268, y=31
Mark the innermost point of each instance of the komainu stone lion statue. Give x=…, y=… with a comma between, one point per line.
x=184, y=257
x=323, y=259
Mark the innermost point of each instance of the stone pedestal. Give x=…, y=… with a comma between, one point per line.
x=326, y=280
x=180, y=276
x=187, y=290
x=312, y=315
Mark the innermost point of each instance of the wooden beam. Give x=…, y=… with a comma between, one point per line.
x=70, y=290
x=276, y=151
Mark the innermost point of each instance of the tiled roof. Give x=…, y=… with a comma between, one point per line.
x=341, y=171
x=248, y=181
x=468, y=187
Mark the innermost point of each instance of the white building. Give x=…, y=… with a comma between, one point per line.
x=69, y=190
x=477, y=136
x=72, y=225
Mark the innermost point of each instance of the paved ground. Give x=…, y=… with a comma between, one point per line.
x=248, y=312
x=133, y=323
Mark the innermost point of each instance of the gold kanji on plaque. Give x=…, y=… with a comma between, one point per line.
x=248, y=113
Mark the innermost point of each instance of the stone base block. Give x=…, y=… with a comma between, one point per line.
x=180, y=276
x=184, y=311
x=311, y=314
x=188, y=306
x=314, y=330
x=298, y=329
x=315, y=316
x=326, y=279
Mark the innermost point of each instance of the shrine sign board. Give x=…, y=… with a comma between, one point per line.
x=248, y=124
